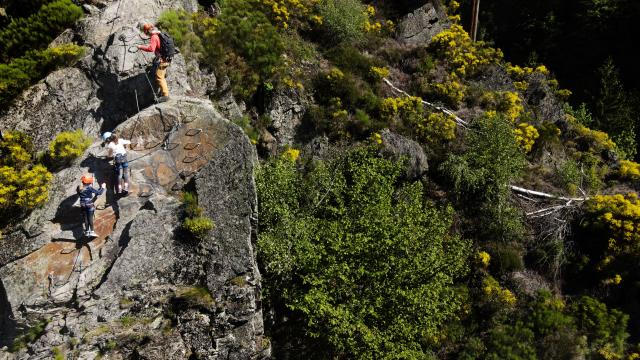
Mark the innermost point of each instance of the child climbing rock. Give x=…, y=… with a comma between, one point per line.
x=87, y=193
x=116, y=149
x=163, y=47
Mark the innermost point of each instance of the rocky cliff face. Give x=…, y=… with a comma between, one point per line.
x=419, y=26
x=142, y=289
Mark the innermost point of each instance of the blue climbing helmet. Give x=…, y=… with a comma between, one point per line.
x=106, y=136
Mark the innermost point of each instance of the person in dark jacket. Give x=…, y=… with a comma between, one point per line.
x=87, y=194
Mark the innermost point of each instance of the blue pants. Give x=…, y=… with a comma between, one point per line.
x=89, y=212
x=122, y=173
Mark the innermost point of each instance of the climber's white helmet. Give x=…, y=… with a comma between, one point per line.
x=106, y=136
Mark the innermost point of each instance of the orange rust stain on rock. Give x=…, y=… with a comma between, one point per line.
x=104, y=222
x=57, y=258
x=165, y=174
x=148, y=172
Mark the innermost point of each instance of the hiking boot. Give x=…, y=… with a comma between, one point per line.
x=163, y=99
x=126, y=188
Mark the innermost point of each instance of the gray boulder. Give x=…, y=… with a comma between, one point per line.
x=286, y=110
x=399, y=148
x=418, y=27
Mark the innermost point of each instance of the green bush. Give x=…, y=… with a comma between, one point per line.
x=190, y=203
x=355, y=252
x=551, y=329
x=198, y=226
x=18, y=74
x=22, y=8
x=348, y=58
x=68, y=145
x=242, y=43
x=57, y=354
x=343, y=20
x=505, y=259
x=179, y=24
x=195, y=223
x=614, y=110
x=195, y=296
x=31, y=335
x=37, y=31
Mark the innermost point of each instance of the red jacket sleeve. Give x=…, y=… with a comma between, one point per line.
x=154, y=44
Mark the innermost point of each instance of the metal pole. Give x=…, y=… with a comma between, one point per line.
x=474, y=19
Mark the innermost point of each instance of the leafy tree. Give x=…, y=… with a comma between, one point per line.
x=613, y=111
x=481, y=175
x=358, y=254
x=605, y=329
x=37, y=31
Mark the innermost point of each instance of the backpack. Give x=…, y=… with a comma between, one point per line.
x=167, y=47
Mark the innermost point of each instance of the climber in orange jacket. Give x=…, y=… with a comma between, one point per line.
x=163, y=47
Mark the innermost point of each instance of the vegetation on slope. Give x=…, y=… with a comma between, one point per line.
x=24, y=37
x=360, y=262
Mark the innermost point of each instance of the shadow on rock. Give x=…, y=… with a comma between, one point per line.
x=7, y=324
x=119, y=96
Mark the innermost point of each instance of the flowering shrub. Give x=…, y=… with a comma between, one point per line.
x=16, y=149
x=597, y=140
x=492, y=290
x=629, y=170
x=526, y=136
x=68, y=145
x=463, y=56
x=620, y=216
x=291, y=154
x=483, y=258
x=26, y=188
x=380, y=72
x=520, y=73
x=436, y=127
x=33, y=185
x=510, y=104
x=376, y=138
x=283, y=12
x=409, y=108
x=452, y=91
x=23, y=185
x=374, y=26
